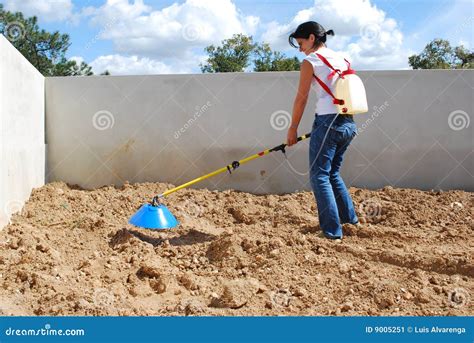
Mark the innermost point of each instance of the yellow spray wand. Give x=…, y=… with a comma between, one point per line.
x=234, y=165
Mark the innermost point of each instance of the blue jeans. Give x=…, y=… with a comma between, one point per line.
x=334, y=202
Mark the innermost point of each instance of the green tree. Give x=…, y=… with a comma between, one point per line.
x=268, y=60
x=45, y=50
x=237, y=53
x=232, y=56
x=464, y=58
x=438, y=54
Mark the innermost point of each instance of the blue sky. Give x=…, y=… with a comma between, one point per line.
x=153, y=37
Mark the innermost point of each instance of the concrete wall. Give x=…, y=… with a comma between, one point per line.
x=173, y=128
x=22, y=148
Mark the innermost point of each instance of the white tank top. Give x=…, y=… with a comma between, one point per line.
x=324, y=104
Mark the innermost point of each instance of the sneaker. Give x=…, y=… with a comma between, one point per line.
x=321, y=234
x=357, y=225
x=350, y=229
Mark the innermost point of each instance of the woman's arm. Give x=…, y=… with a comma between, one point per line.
x=306, y=74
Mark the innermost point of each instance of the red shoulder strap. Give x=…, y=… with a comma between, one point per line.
x=325, y=61
x=338, y=71
x=326, y=88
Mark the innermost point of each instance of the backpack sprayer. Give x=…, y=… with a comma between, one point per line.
x=349, y=97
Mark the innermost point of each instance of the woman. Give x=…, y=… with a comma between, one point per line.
x=331, y=133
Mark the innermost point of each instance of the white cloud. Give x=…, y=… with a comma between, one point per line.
x=134, y=65
x=277, y=34
x=137, y=29
x=78, y=59
x=47, y=10
x=149, y=40
x=362, y=32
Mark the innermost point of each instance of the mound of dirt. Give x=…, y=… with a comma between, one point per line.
x=71, y=252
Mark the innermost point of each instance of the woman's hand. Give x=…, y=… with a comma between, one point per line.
x=292, y=135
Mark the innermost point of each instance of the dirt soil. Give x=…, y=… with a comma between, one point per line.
x=71, y=252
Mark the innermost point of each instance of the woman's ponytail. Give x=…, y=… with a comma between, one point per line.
x=330, y=32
